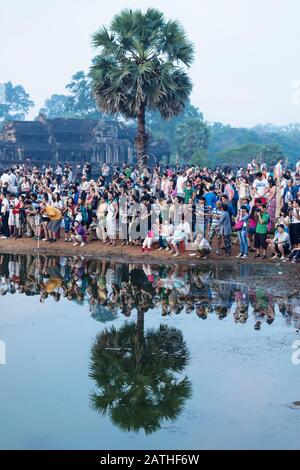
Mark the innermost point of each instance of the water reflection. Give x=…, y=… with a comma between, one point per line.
x=137, y=375
x=140, y=375
x=112, y=289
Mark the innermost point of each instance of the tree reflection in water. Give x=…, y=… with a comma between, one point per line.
x=137, y=376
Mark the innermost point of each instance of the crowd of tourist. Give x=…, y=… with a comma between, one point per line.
x=169, y=208
x=111, y=289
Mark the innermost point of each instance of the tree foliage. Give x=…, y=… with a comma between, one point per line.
x=55, y=107
x=80, y=102
x=165, y=129
x=192, y=135
x=225, y=138
x=241, y=155
x=16, y=103
x=141, y=65
x=137, y=376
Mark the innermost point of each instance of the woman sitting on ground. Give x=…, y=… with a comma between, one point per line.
x=79, y=235
x=152, y=237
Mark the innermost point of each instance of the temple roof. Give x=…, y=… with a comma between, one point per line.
x=25, y=127
x=71, y=136
x=72, y=126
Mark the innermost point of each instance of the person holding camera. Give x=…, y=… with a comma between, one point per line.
x=225, y=229
x=295, y=223
x=31, y=211
x=242, y=231
x=260, y=237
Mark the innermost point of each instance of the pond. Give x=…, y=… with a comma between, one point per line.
x=103, y=355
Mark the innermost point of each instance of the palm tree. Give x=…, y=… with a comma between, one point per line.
x=141, y=65
x=137, y=376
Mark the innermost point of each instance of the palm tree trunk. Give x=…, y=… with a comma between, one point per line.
x=140, y=325
x=141, y=138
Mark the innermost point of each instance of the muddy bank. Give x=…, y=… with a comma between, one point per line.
x=127, y=254
x=94, y=249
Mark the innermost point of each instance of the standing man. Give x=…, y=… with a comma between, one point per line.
x=4, y=216
x=278, y=170
x=260, y=238
x=180, y=184
x=58, y=174
x=261, y=187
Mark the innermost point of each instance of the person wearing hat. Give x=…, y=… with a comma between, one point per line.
x=55, y=217
x=281, y=243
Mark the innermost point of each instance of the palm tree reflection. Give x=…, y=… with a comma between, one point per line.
x=137, y=376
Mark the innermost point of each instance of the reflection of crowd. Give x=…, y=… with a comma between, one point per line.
x=110, y=288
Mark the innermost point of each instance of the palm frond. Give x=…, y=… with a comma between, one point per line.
x=102, y=38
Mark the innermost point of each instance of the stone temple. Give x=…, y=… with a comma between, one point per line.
x=73, y=141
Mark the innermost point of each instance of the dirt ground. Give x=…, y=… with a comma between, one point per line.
x=119, y=253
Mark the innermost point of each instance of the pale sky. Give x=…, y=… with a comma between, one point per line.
x=247, y=51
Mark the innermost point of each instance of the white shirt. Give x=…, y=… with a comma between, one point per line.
x=295, y=216
x=185, y=227
x=180, y=184
x=260, y=187
x=12, y=180
x=5, y=206
x=5, y=178
x=278, y=170
x=105, y=170
x=282, y=237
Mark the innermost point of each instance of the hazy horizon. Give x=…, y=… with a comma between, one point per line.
x=247, y=52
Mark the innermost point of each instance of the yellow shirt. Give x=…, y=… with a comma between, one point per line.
x=53, y=213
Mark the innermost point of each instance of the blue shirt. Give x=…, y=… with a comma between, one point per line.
x=295, y=190
x=211, y=199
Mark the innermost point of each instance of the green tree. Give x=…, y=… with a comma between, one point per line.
x=224, y=138
x=241, y=155
x=191, y=136
x=165, y=129
x=137, y=376
x=201, y=158
x=80, y=102
x=55, y=106
x=142, y=66
x=16, y=103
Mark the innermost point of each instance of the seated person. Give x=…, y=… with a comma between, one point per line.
x=78, y=234
x=281, y=244
x=166, y=230
x=201, y=245
x=93, y=228
x=181, y=233
x=295, y=255
x=152, y=237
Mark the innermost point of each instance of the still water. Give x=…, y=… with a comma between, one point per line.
x=108, y=356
